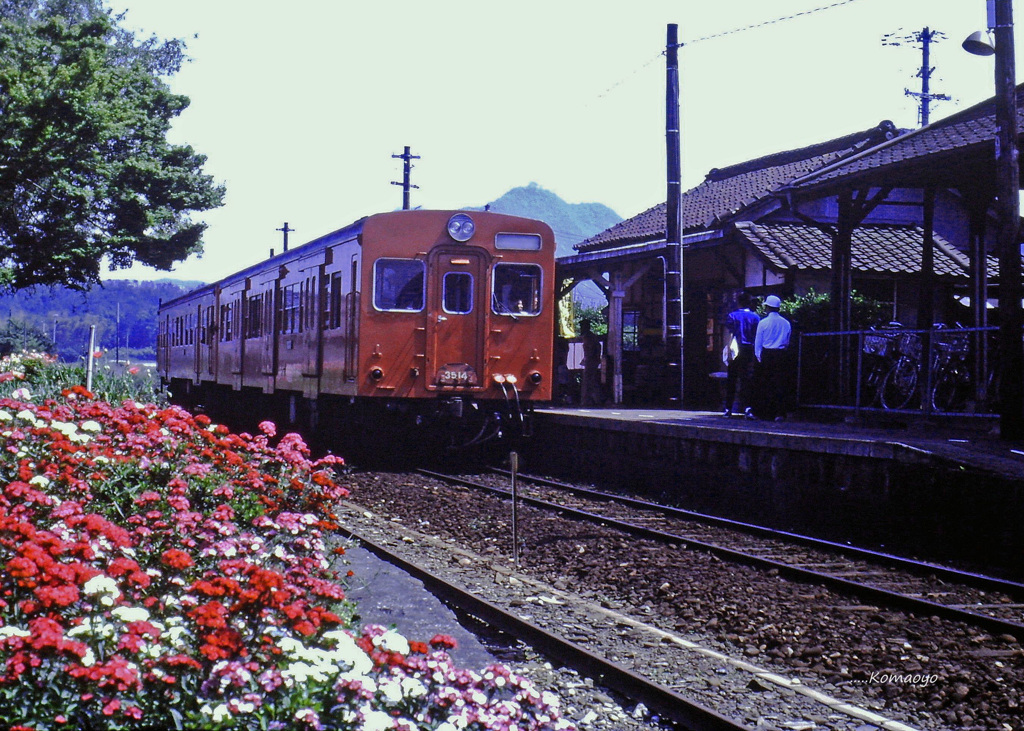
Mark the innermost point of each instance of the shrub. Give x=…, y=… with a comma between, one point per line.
x=163, y=572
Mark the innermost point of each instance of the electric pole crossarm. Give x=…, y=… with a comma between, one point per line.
x=406, y=157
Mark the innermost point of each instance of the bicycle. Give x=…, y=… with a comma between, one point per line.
x=900, y=382
x=879, y=349
x=952, y=386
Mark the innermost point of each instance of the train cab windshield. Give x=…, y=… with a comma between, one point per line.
x=398, y=285
x=517, y=289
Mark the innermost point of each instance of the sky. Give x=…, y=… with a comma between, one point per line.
x=300, y=106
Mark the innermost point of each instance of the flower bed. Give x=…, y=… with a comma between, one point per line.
x=162, y=572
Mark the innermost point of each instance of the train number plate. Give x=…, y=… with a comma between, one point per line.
x=457, y=374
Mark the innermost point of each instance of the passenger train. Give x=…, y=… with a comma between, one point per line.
x=439, y=322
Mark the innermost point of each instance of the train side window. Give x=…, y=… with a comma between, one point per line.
x=254, y=316
x=398, y=284
x=516, y=289
x=458, y=293
x=290, y=300
x=227, y=322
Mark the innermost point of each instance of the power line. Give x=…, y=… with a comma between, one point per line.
x=753, y=26
x=769, y=22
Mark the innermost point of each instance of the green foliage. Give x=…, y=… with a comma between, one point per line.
x=595, y=316
x=124, y=313
x=48, y=380
x=86, y=171
x=812, y=312
x=18, y=336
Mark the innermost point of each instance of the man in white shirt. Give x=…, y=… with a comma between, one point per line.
x=770, y=343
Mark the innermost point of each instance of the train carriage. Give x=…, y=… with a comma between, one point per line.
x=422, y=317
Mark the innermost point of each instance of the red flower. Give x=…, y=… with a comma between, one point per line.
x=222, y=644
x=59, y=596
x=212, y=614
x=446, y=641
x=22, y=568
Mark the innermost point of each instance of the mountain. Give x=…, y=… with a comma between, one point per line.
x=571, y=222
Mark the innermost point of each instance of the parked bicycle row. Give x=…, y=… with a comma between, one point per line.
x=893, y=368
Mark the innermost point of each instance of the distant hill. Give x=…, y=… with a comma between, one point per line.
x=123, y=311
x=571, y=222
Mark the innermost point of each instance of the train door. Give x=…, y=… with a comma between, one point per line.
x=457, y=317
x=197, y=344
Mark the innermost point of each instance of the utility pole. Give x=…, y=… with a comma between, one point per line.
x=1011, y=413
x=673, y=221
x=925, y=37
x=407, y=159
x=285, y=230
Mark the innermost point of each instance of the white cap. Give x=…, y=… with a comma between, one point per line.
x=772, y=301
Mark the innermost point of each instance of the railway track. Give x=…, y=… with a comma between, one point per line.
x=665, y=701
x=989, y=603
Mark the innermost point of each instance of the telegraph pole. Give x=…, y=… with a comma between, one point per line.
x=285, y=230
x=673, y=221
x=406, y=158
x=1011, y=412
x=925, y=37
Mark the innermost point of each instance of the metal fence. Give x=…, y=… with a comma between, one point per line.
x=942, y=370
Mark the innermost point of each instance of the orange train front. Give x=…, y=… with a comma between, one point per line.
x=420, y=318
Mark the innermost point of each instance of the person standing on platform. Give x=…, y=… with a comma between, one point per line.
x=742, y=323
x=770, y=343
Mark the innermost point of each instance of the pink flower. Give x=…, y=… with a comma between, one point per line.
x=269, y=428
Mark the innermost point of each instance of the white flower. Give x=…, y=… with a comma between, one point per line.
x=64, y=427
x=26, y=415
x=103, y=587
x=92, y=426
x=413, y=688
x=10, y=631
x=40, y=480
x=349, y=652
x=219, y=713
x=21, y=394
x=375, y=720
x=391, y=641
x=303, y=672
x=130, y=614
x=5, y=415
x=88, y=659
x=392, y=690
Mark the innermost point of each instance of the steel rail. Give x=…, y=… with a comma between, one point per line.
x=891, y=598
x=968, y=578
x=659, y=698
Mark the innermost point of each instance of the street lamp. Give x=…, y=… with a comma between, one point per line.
x=999, y=41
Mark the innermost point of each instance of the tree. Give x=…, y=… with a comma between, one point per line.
x=86, y=171
x=18, y=337
x=811, y=312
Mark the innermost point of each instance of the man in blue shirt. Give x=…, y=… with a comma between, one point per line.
x=770, y=343
x=742, y=323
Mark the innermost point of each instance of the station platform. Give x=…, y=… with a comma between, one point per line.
x=973, y=443
x=938, y=489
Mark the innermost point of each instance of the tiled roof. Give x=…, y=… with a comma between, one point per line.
x=728, y=191
x=914, y=157
x=875, y=248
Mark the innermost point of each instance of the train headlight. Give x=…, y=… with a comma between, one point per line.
x=536, y=378
x=461, y=227
x=376, y=374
